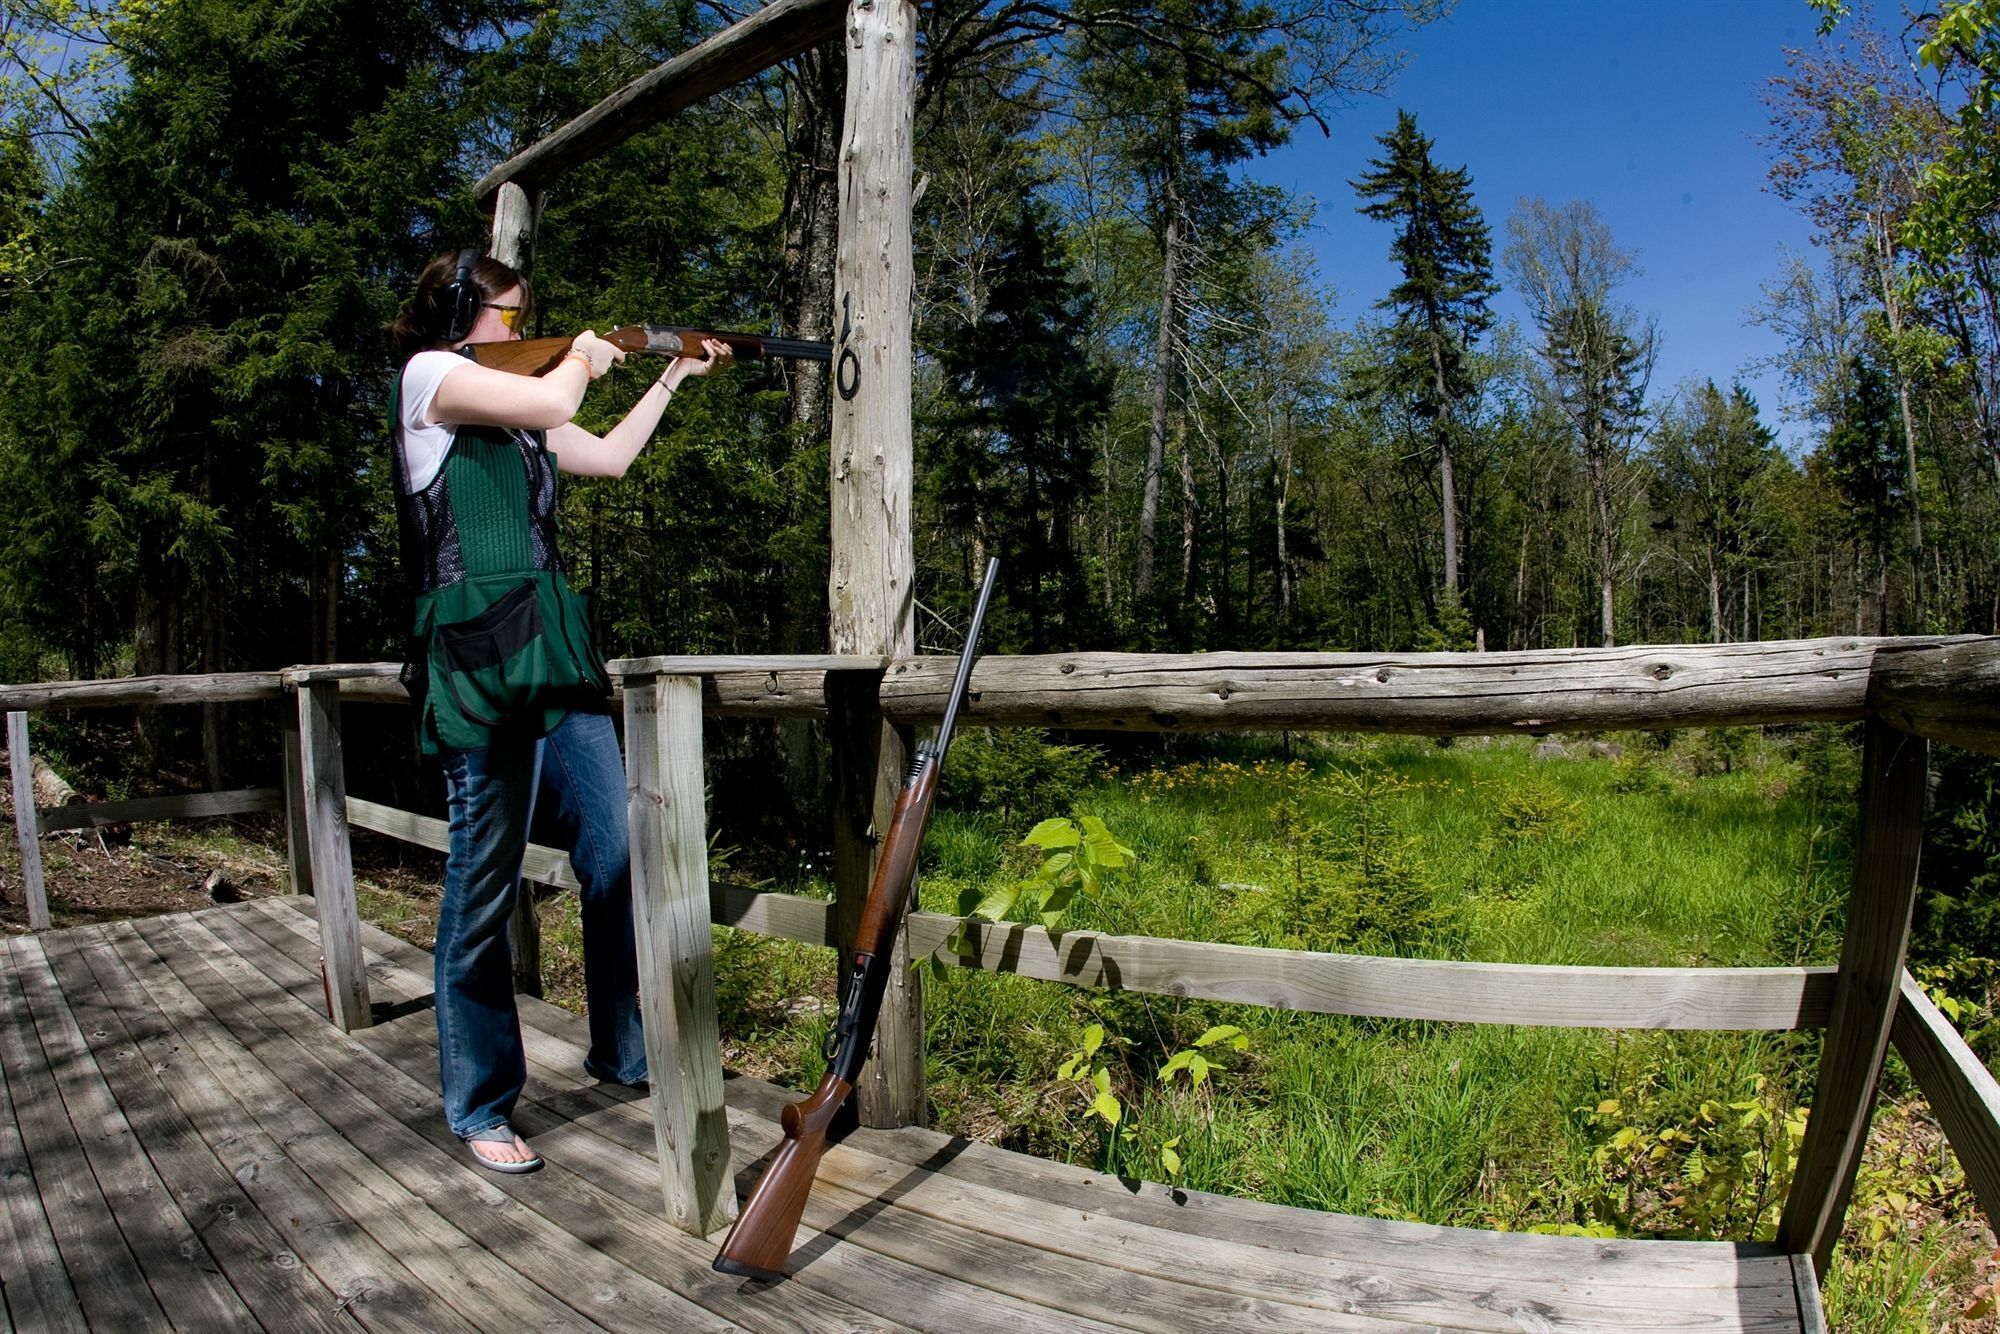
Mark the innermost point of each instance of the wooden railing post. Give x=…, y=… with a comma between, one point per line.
x=869, y=757
x=670, y=915
x=871, y=575
x=26, y=827
x=1891, y=833
x=323, y=783
x=298, y=841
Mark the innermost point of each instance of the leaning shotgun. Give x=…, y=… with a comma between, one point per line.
x=532, y=356
x=757, y=1245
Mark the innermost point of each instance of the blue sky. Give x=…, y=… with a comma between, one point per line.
x=1651, y=111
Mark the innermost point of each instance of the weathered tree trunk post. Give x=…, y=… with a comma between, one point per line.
x=298, y=838
x=1893, y=766
x=870, y=594
x=25, y=827
x=324, y=781
x=670, y=914
x=515, y=216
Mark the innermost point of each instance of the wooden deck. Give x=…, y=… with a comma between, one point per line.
x=186, y=1143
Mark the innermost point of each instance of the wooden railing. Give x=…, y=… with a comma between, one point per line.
x=1908, y=691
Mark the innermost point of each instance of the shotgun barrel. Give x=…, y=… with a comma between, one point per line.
x=761, y=1239
x=534, y=356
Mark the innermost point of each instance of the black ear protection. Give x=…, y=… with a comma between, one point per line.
x=458, y=301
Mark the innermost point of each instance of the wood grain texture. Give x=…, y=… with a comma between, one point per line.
x=711, y=664
x=142, y=1070
x=135, y=690
x=669, y=826
x=33, y=888
x=1890, y=838
x=913, y=1217
x=869, y=757
x=109, y=1285
x=776, y=32
x=298, y=857
x=1961, y=1090
x=1948, y=693
x=323, y=775
x=180, y=1269
x=33, y=1280
x=1430, y=694
x=193, y=805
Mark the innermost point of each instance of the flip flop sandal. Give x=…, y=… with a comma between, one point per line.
x=500, y=1134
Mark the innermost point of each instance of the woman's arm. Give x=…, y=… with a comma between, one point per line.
x=475, y=395
x=582, y=454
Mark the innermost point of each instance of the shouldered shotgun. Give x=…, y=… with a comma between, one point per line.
x=533, y=356
x=761, y=1239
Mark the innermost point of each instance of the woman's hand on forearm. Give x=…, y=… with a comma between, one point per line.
x=582, y=454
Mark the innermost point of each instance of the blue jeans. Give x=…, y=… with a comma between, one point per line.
x=491, y=796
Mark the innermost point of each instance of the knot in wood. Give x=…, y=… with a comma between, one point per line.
x=1222, y=692
x=1382, y=675
x=1661, y=672
x=1067, y=668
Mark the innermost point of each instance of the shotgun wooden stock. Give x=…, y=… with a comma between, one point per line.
x=533, y=356
x=761, y=1238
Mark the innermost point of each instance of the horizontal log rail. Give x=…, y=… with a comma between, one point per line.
x=188, y=806
x=1961, y=1090
x=1431, y=694
x=1438, y=694
x=1549, y=995
x=1948, y=692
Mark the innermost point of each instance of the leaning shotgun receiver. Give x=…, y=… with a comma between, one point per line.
x=757, y=1245
x=533, y=356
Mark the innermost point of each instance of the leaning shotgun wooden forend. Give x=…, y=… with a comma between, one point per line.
x=533, y=356
x=761, y=1239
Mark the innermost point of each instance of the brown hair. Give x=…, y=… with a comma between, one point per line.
x=427, y=316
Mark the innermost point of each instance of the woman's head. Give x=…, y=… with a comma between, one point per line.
x=428, y=320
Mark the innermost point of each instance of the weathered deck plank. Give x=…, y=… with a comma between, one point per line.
x=325, y=1226
x=311, y=1171
x=265, y=1272
x=297, y=1096
x=638, y=1237
x=110, y=1287
x=34, y=1286
x=1495, y=1280
x=184, y=1277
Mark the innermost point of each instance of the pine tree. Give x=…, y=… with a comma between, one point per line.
x=1445, y=252
x=1015, y=456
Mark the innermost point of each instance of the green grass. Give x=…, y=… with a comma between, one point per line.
x=1473, y=851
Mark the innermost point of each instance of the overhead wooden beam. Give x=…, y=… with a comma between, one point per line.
x=776, y=32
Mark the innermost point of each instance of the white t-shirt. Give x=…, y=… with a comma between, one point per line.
x=424, y=443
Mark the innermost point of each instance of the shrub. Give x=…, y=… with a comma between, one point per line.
x=1006, y=770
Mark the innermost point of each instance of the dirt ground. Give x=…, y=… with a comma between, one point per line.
x=145, y=870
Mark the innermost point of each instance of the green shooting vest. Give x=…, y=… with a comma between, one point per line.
x=500, y=643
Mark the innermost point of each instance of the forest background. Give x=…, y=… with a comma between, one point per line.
x=1131, y=382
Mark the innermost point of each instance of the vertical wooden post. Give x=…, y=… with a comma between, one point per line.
x=869, y=587
x=1865, y=990
x=669, y=827
x=298, y=841
x=26, y=827
x=515, y=217
x=864, y=800
x=323, y=781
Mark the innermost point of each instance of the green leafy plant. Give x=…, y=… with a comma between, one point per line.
x=1077, y=853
